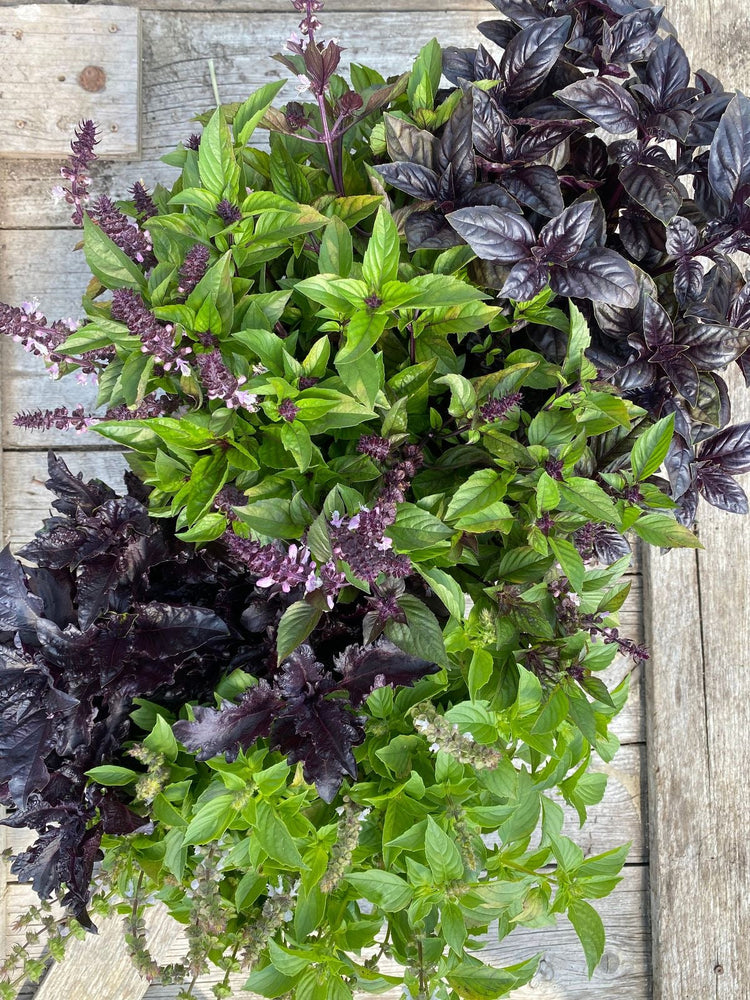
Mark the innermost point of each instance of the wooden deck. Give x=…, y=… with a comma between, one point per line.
x=685, y=731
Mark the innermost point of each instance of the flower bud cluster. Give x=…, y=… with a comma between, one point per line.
x=447, y=737
x=220, y=383
x=347, y=838
x=157, y=775
x=498, y=409
x=144, y=203
x=277, y=910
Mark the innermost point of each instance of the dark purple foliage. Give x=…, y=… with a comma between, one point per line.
x=307, y=712
x=639, y=227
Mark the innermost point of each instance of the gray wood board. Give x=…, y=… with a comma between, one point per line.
x=697, y=610
x=176, y=85
x=62, y=64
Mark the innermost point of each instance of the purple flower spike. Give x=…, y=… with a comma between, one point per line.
x=82, y=156
x=193, y=268
x=157, y=339
x=125, y=234
x=144, y=203
x=220, y=383
x=228, y=212
x=498, y=409
x=376, y=447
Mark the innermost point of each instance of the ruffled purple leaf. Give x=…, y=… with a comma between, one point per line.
x=363, y=668
x=322, y=733
x=231, y=728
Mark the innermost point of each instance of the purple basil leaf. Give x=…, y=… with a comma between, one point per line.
x=411, y=178
x=455, y=150
x=610, y=545
x=19, y=608
x=599, y=274
x=596, y=234
x=653, y=190
x=739, y=311
x=406, y=142
x=499, y=32
x=458, y=64
x=542, y=139
x=488, y=122
x=667, y=70
x=608, y=104
x=729, y=158
x=526, y=280
x=493, y=194
x=657, y=326
x=633, y=34
x=720, y=490
x=321, y=732
x=683, y=375
x=430, y=231
x=485, y=67
x=367, y=667
x=707, y=112
x=688, y=280
x=521, y=12
x=538, y=187
x=682, y=237
x=679, y=466
x=494, y=234
x=729, y=449
x=118, y=818
x=714, y=345
x=531, y=54
x=233, y=727
x=563, y=236
x=164, y=631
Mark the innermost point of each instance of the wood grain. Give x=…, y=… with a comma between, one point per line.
x=62, y=64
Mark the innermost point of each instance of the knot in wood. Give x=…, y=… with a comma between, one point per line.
x=93, y=79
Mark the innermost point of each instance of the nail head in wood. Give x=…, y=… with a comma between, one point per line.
x=93, y=79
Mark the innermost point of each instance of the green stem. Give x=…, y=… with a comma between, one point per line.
x=214, y=84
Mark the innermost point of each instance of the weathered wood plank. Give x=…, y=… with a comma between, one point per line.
x=62, y=64
x=698, y=625
x=100, y=967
